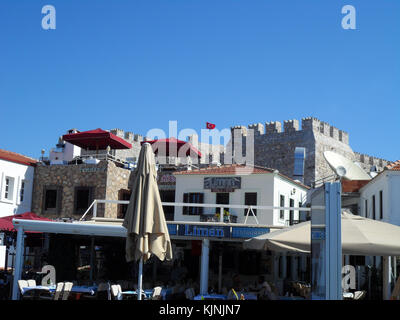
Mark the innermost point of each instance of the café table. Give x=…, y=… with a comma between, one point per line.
x=148, y=293
x=44, y=288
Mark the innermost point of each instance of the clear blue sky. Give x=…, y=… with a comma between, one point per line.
x=134, y=65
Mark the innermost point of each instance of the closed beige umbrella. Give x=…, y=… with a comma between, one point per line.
x=360, y=236
x=147, y=231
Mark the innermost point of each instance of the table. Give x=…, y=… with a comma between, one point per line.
x=76, y=289
x=44, y=288
x=148, y=293
x=84, y=289
x=210, y=297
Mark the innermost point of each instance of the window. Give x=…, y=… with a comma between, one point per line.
x=83, y=199
x=125, y=195
x=373, y=208
x=282, y=204
x=250, y=199
x=22, y=191
x=9, y=188
x=193, y=198
x=52, y=199
x=381, y=204
x=366, y=208
x=291, y=212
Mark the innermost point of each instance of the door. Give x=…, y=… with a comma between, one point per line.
x=222, y=198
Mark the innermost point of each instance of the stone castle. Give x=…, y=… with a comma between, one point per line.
x=274, y=147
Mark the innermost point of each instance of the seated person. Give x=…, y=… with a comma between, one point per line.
x=263, y=289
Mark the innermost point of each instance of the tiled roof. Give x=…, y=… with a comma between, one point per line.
x=17, y=158
x=235, y=169
x=394, y=166
x=353, y=185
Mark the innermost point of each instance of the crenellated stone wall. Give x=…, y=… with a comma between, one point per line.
x=274, y=146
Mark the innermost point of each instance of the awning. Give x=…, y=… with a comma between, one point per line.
x=173, y=147
x=360, y=236
x=97, y=139
x=6, y=223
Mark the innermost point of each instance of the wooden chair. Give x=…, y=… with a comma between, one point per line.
x=56, y=295
x=115, y=291
x=28, y=295
x=359, y=295
x=156, y=293
x=66, y=290
x=31, y=283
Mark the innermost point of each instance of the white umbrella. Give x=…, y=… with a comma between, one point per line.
x=360, y=236
x=147, y=231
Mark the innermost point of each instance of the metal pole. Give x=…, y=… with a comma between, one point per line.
x=18, y=262
x=140, y=278
x=386, y=277
x=205, y=250
x=220, y=271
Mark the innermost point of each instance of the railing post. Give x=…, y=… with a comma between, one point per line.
x=95, y=209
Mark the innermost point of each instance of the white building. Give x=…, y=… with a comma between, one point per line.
x=380, y=198
x=16, y=183
x=239, y=185
x=64, y=151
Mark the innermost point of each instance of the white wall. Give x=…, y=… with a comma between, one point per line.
x=389, y=183
x=18, y=172
x=267, y=186
x=290, y=191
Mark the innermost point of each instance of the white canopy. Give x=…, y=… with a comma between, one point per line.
x=360, y=236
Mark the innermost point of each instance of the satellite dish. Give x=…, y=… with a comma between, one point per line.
x=345, y=168
x=341, y=171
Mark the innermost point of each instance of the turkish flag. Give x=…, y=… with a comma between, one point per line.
x=210, y=125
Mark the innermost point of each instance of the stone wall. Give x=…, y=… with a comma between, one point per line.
x=117, y=179
x=274, y=146
x=105, y=178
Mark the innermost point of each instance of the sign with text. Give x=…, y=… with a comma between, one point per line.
x=215, y=231
x=225, y=184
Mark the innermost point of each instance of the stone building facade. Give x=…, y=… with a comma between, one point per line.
x=274, y=146
x=66, y=191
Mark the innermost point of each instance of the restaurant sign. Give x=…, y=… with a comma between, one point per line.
x=222, y=184
x=215, y=231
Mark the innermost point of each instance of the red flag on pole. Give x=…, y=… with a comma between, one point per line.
x=210, y=125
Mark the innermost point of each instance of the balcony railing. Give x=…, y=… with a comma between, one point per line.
x=249, y=212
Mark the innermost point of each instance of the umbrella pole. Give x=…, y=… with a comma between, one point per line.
x=140, y=277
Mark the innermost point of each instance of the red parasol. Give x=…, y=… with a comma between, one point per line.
x=173, y=147
x=96, y=139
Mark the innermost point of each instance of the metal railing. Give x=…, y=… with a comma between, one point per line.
x=320, y=182
x=100, y=157
x=222, y=207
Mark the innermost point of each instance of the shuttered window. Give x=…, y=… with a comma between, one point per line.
x=193, y=197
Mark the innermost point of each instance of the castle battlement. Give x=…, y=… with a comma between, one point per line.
x=127, y=135
x=370, y=160
x=292, y=126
